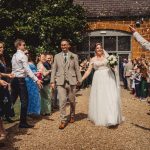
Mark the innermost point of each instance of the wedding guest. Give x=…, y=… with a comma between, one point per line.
x=144, y=86
x=45, y=91
x=20, y=69
x=34, y=99
x=148, y=79
x=137, y=81
x=144, y=43
x=2, y=129
x=5, y=100
x=122, y=66
x=133, y=74
x=127, y=73
x=48, y=63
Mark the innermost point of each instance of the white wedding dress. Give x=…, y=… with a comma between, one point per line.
x=104, y=102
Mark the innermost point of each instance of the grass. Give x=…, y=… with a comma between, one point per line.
x=17, y=114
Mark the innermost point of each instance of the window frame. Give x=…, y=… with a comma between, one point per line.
x=110, y=33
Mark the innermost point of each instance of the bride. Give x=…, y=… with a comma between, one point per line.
x=104, y=102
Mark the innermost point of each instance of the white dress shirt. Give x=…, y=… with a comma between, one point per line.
x=20, y=67
x=144, y=43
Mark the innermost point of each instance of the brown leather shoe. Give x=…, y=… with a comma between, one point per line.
x=72, y=120
x=62, y=125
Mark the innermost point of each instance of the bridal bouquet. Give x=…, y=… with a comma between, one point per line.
x=112, y=61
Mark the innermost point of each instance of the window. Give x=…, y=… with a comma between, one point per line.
x=116, y=42
x=124, y=43
x=110, y=43
x=93, y=41
x=84, y=46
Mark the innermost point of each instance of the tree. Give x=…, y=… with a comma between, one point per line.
x=41, y=23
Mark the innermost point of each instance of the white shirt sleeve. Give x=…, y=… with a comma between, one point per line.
x=27, y=69
x=144, y=43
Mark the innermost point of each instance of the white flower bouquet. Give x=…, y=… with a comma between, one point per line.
x=112, y=61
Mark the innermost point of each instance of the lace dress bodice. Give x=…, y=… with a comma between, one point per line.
x=100, y=65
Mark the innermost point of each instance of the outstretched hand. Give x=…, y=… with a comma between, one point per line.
x=3, y=83
x=39, y=83
x=132, y=29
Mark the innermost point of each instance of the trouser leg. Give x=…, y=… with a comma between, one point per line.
x=71, y=96
x=62, y=95
x=23, y=94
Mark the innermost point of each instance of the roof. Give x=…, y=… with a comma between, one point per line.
x=115, y=8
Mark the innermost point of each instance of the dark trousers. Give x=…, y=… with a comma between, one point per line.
x=90, y=77
x=144, y=88
x=85, y=82
x=149, y=89
x=18, y=87
x=138, y=90
x=125, y=83
x=5, y=102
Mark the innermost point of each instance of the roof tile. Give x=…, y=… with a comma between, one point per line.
x=115, y=8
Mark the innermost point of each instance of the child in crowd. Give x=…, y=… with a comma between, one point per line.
x=144, y=86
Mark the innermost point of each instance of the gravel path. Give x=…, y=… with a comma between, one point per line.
x=133, y=134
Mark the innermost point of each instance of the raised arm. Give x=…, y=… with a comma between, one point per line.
x=143, y=42
x=30, y=73
x=28, y=70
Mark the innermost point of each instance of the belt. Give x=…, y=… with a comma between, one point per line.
x=20, y=77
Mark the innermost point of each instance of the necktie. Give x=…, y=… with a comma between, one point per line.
x=65, y=57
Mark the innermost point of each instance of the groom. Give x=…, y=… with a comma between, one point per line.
x=67, y=74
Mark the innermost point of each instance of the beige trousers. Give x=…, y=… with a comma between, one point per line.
x=128, y=82
x=65, y=92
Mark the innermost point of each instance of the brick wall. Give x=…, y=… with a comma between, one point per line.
x=123, y=26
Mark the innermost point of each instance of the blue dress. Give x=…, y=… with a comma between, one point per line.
x=34, y=99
